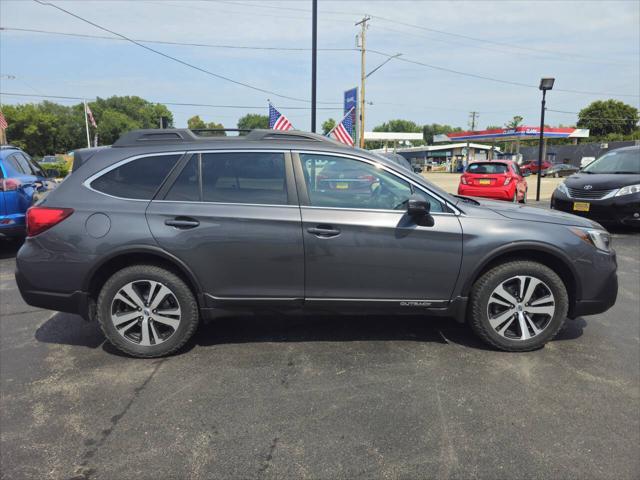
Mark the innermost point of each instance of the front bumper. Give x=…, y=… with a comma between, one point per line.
x=602, y=301
x=624, y=210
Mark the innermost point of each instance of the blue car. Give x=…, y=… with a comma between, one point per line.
x=22, y=183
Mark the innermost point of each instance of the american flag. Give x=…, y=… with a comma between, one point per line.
x=341, y=131
x=3, y=121
x=90, y=115
x=277, y=121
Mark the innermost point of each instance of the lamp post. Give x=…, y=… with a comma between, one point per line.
x=545, y=84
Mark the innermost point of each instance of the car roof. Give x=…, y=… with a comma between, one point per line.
x=148, y=141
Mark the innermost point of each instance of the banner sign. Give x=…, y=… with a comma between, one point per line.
x=351, y=101
x=523, y=133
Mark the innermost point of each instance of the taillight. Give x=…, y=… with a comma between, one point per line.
x=40, y=219
x=9, y=184
x=507, y=180
x=463, y=180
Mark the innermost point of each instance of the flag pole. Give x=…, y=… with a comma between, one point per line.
x=341, y=120
x=86, y=124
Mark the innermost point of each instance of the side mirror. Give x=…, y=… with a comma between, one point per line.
x=418, y=206
x=52, y=173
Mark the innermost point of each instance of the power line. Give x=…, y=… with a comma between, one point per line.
x=568, y=55
x=175, y=59
x=165, y=42
x=498, y=80
x=248, y=107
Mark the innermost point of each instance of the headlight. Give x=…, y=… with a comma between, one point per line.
x=596, y=238
x=562, y=188
x=628, y=190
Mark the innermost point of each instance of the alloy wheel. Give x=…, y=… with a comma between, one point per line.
x=521, y=307
x=145, y=312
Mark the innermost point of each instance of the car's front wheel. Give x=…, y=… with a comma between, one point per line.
x=147, y=311
x=518, y=306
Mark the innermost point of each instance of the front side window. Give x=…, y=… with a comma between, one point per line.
x=137, y=179
x=348, y=183
x=244, y=177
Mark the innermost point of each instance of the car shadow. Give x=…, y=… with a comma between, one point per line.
x=69, y=329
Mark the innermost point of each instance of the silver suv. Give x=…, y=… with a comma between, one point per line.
x=167, y=227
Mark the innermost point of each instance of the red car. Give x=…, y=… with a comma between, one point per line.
x=499, y=179
x=532, y=166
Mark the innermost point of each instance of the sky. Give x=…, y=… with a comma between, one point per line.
x=588, y=46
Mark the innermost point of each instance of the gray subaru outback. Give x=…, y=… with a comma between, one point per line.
x=168, y=227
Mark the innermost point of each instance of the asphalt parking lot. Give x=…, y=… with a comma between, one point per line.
x=321, y=398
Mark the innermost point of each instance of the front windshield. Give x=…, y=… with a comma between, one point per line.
x=618, y=161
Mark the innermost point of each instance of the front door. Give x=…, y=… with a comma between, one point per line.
x=234, y=219
x=361, y=245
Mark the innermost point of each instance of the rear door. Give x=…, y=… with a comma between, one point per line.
x=233, y=217
x=360, y=245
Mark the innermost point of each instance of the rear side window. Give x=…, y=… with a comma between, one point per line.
x=186, y=188
x=244, y=177
x=137, y=179
x=488, y=168
x=12, y=166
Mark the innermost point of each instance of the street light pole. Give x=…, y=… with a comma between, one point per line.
x=545, y=84
x=314, y=61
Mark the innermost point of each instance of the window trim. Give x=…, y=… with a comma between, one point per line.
x=104, y=171
x=291, y=188
x=304, y=195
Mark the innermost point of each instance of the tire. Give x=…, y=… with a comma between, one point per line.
x=524, y=197
x=489, y=313
x=129, y=297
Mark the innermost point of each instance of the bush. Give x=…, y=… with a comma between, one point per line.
x=62, y=167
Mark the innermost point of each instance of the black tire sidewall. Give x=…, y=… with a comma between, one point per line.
x=490, y=280
x=188, y=307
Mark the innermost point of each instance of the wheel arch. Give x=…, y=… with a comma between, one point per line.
x=547, y=255
x=143, y=254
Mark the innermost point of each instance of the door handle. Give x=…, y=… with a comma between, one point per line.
x=182, y=223
x=325, y=231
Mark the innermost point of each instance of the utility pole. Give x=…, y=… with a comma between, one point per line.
x=472, y=116
x=363, y=74
x=314, y=61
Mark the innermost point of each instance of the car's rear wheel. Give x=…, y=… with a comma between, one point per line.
x=147, y=311
x=524, y=197
x=518, y=306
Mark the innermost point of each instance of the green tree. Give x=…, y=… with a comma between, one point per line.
x=493, y=127
x=429, y=131
x=515, y=122
x=253, y=120
x=609, y=119
x=112, y=124
x=196, y=123
x=328, y=125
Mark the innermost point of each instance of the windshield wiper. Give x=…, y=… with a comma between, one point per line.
x=467, y=200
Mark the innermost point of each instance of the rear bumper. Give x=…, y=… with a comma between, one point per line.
x=75, y=302
x=12, y=225
x=499, y=193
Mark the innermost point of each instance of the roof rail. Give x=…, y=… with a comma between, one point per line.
x=137, y=138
